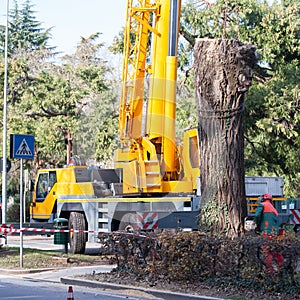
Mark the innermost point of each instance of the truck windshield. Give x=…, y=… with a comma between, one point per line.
x=42, y=186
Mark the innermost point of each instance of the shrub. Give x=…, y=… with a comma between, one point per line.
x=193, y=256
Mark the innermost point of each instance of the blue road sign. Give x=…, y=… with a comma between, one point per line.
x=22, y=146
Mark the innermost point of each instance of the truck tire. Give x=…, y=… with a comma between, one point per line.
x=77, y=239
x=128, y=222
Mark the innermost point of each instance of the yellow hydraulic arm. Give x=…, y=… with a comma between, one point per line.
x=148, y=152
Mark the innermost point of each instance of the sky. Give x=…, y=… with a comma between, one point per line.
x=71, y=19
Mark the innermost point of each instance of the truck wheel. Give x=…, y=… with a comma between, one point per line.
x=77, y=239
x=128, y=222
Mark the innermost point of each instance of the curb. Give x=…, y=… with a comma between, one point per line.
x=122, y=289
x=156, y=293
x=26, y=271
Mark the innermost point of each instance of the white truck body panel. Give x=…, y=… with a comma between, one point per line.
x=257, y=186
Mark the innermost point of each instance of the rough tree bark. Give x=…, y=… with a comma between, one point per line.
x=223, y=74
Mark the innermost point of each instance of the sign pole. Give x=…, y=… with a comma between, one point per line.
x=26, y=180
x=21, y=213
x=22, y=147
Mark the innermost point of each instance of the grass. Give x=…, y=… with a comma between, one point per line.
x=36, y=259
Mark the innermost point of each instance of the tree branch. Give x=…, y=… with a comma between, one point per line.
x=46, y=113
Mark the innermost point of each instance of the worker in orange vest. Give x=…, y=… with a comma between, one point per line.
x=266, y=219
x=266, y=216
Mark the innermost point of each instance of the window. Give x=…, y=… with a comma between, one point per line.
x=52, y=179
x=42, y=186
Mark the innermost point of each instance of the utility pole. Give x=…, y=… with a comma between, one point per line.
x=4, y=168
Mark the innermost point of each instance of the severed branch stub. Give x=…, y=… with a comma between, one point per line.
x=223, y=74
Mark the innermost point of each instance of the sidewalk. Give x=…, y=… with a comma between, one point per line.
x=44, y=242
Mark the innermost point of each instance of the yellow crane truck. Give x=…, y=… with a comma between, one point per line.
x=154, y=182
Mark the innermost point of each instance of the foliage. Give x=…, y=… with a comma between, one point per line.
x=26, y=50
x=271, y=130
x=13, y=211
x=85, y=73
x=25, y=31
x=50, y=96
x=48, y=99
x=185, y=112
x=210, y=215
x=273, y=142
x=193, y=256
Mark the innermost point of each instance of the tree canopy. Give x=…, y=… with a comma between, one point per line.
x=25, y=31
x=50, y=96
x=272, y=105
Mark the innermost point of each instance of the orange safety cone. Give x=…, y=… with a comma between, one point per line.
x=70, y=293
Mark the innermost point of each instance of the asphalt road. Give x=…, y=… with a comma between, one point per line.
x=20, y=288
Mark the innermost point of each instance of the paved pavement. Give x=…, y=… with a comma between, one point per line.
x=44, y=242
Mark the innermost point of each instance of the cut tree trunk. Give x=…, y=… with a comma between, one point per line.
x=223, y=74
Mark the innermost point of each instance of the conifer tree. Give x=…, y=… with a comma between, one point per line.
x=25, y=31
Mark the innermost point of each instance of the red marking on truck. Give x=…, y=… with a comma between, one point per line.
x=147, y=220
x=296, y=214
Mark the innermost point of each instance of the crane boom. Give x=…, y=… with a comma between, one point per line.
x=148, y=154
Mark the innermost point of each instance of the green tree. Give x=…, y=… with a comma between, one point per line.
x=58, y=97
x=272, y=106
x=49, y=97
x=25, y=35
x=25, y=32
x=96, y=129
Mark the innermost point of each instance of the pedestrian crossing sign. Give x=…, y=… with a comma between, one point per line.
x=22, y=146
